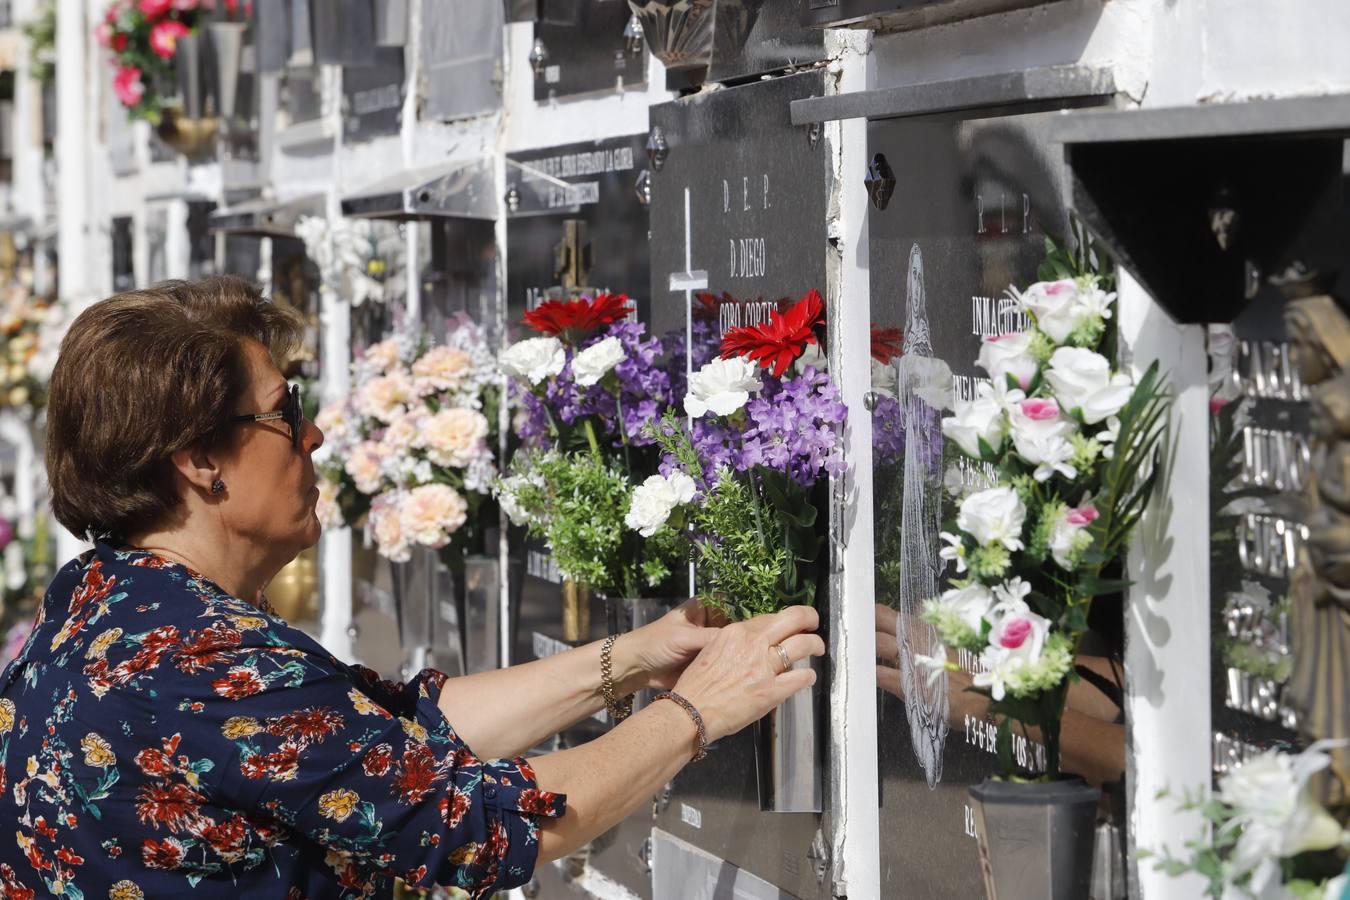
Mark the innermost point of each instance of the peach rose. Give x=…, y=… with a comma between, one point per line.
x=453, y=437
x=431, y=513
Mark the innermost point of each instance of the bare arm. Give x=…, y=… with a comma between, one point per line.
x=506, y=712
x=735, y=680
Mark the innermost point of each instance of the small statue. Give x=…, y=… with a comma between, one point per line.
x=1319, y=687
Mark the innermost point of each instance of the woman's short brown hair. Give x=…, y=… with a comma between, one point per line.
x=141, y=375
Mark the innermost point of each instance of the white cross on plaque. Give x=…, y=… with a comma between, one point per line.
x=689, y=280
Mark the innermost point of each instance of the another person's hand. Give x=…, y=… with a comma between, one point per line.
x=665, y=647
x=739, y=675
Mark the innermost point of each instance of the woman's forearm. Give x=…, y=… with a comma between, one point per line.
x=506, y=712
x=610, y=777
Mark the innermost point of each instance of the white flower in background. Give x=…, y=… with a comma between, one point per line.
x=813, y=355
x=994, y=516
x=885, y=379
x=533, y=359
x=1336, y=888
x=1083, y=383
x=655, y=499
x=387, y=529
x=1040, y=435
x=596, y=361
x=509, y=490
x=1093, y=301
x=1012, y=594
x=383, y=356
x=365, y=466
x=955, y=550
x=977, y=420
x=1069, y=536
x=722, y=387
x=1008, y=354
x=1015, y=645
x=403, y=432
x=480, y=473
x=454, y=436
x=327, y=509
x=442, y=369
x=929, y=377
x=386, y=397
x=1276, y=813
x=1108, y=437
x=969, y=604
x=429, y=514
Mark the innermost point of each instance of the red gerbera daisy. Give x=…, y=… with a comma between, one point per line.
x=887, y=343
x=574, y=319
x=778, y=342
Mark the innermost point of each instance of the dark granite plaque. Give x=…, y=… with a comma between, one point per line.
x=591, y=183
x=590, y=54
x=757, y=189
x=372, y=96
x=123, y=254
x=461, y=58
x=753, y=229
x=574, y=197
x=973, y=202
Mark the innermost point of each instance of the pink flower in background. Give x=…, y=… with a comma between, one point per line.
x=1040, y=410
x=431, y=513
x=1085, y=515
x=6, y=533
x=364, y=467
x=442, y=369
x=1016, y=634
x=164, y=37
x=127, y=85
x=386, y=524
x=189, y=5
x=453, y=437
x=103, y=34
x=154, y=9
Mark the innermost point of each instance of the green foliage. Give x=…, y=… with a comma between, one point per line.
x=41, y=34
x=577, y=503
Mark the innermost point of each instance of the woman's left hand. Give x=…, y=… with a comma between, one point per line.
x=662, y=649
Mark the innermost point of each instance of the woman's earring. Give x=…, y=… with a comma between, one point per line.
x=217, y=487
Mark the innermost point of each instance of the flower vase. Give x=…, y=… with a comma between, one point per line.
x=576, y=612
x=294, y=591
x=788, y=764
x=1036, y=840
x=467, y=601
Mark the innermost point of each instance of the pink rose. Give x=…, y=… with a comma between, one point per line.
x=1040, y=410
x=1085, y=515
x=153, y=9
x=127, y=85
x=164, y=37
x=103, y=34
x=1015, y=633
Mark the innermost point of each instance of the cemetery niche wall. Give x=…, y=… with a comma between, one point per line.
x=740, y=200
x=962, y=207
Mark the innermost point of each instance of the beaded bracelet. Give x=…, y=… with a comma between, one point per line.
x=693, y=714
x=618, y=708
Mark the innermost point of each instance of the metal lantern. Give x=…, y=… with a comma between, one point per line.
x=679, y=32
x=632, y=34
x=657, y=148
x=538, y=57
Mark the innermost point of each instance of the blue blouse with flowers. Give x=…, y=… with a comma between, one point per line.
x=159, y=736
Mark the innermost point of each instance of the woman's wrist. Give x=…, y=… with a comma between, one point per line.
x=630, y=668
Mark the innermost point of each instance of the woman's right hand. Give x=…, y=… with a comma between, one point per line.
x=738, y=676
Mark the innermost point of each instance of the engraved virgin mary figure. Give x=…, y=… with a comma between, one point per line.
x=925, y=686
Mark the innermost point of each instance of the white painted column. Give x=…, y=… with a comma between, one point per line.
x=1167, y=608
x=335, y=550
x=855, y=804
x=177, y=247
x=73, y=142
x=28, y=186
x=412, y=265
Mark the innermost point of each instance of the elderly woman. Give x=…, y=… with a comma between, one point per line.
x=164, y=732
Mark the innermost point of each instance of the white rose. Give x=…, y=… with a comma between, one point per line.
x=595, y=362
x=1335, y=888
x=970, y=604
x=1062, y=307
x=1083, y=383
x=977, y=420
x=723, y=386
x=1008, y=354
x=1275, y=809
x=885, y=380
x=655, y=499
x=533, y=359
x=1040, y=435
x=1054, y=304
x=1067, y=535
x=993, y=516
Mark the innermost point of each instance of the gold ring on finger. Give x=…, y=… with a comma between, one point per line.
x=783, y=655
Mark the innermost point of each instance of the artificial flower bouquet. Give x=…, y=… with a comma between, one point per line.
x=745, y=476
x=1271, y=837
x=409, y=450
x=585, y=388
x=1074, y=446
x=142, y=36
x=358, y=259
x=21, y=321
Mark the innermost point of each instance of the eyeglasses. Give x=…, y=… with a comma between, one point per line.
x=293, y=414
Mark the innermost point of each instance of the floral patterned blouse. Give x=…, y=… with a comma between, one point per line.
x=159, y=736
